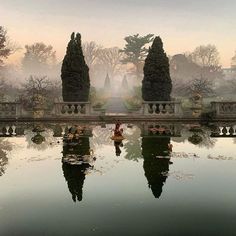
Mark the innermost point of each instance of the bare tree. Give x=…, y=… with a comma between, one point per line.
x=201, y=86
x=206, y=56
x=36, y=85
x=91, y=52
x=110, y=59
x=38, y=58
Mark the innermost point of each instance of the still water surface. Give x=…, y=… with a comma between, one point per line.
x=153, y=183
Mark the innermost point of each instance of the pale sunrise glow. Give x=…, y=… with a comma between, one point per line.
x=183, y=25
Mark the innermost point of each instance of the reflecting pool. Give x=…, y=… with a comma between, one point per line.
x=162, y=179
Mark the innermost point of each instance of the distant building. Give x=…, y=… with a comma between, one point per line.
x=229, y=73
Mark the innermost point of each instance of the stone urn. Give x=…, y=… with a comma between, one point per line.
x=195, y=139
x=196, y=105
x=38, y=106
x=38, y=139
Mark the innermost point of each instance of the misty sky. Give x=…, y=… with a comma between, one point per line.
x=182, y=24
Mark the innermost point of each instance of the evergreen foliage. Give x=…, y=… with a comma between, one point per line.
x=156, y=84
x=75, y=72
x=135, y=51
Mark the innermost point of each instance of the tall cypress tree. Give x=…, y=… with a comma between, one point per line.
x=75, y=72
x=156, y=84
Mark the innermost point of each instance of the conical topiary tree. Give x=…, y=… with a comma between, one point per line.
x=107, y=83
x=156, y=84
x=124, y=83
x=75, y=72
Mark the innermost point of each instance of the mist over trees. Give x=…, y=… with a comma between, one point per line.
x=102, y=61
x=110, y=60
x=233, y=61
x=107, y=83
x=206, y=56
x=199, y=70
x=38, y=59
x=124, y=84
x=5, y=50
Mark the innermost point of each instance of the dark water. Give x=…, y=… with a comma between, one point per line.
x=176, y=180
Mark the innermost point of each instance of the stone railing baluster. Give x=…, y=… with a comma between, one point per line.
x=162, y=108
x=67, y=109
x=224, y=109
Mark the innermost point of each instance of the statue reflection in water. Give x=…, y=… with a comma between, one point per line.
x=155, y=151
x=118, y=138
x=77, y=162
x=117, y=145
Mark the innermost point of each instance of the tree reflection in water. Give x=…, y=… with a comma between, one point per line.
x=3, y=162
x=4, y=147
x=155, y=151
x=75, y=176
x=75, y=173
x=132, y=145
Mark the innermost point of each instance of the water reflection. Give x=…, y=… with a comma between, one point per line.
x=5, y=146
x=40, y=140
x=77, y=161
x=117, y=145
x=199, y=135
x=132, y=145
x=75, y=176
x=155, y=151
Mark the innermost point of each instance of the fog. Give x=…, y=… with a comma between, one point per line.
x=197, y=71
x=200, y=46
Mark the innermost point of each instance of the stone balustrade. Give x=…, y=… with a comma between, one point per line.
x=224, y=109
x=162, y=108
x=9, y=109
x=72, y=109
x=157, y=129
x=150, y=109
x=226, y=130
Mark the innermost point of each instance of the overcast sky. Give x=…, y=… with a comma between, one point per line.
x=182, y=24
